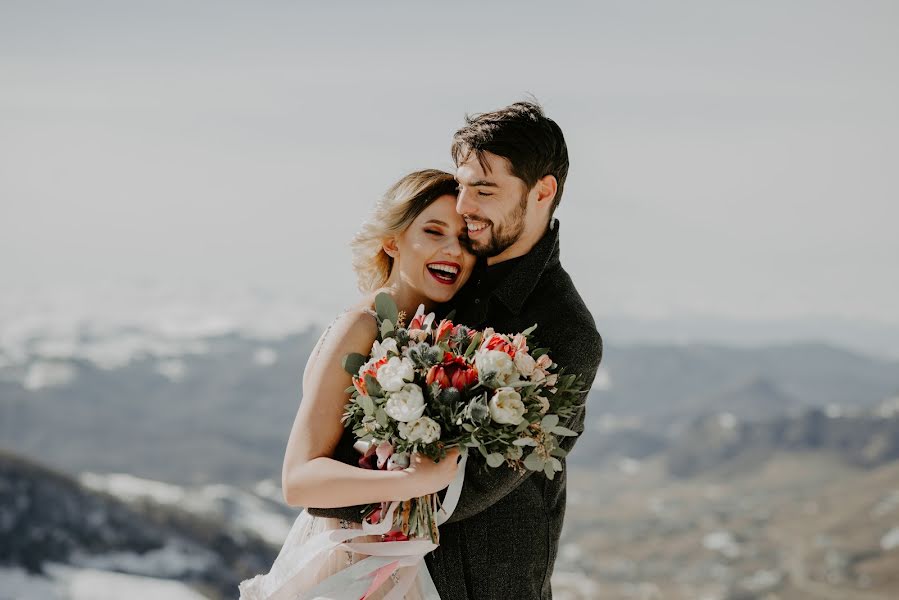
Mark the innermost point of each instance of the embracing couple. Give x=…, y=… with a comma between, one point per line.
x=481, y=242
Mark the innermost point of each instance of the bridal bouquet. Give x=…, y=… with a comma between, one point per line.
x=427, y=387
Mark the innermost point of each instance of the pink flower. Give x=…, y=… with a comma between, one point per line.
x=395, y=536
x=368, y=460
x=384, y=451
x=520, y=343
x=444, y=329
x=498, y=342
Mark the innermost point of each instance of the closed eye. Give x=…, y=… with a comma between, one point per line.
x=433, y=232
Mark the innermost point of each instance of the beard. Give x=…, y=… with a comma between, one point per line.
x=501, y=236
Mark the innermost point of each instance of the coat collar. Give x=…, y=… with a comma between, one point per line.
x=517, y=286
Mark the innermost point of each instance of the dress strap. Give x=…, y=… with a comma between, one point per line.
x=369, y=311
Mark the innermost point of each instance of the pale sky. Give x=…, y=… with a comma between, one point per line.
x=729, y=159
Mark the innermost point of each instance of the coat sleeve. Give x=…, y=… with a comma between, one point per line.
x=579, y=350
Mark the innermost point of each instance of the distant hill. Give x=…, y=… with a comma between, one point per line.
x=223, y=412
x=220, y=416
x=676, y=384
x=49, y=517
x=719, y=442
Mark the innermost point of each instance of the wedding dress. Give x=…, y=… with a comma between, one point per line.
x=285, y=581
x=335, y=559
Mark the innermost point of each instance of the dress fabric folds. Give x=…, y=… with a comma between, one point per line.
x=285, y=582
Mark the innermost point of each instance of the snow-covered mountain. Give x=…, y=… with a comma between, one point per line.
x=126, y=538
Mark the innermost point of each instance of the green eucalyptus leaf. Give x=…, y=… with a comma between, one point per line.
x=387, y=328
x=519, y=384
x=564, y=431
x=549, y=421
x=381, y=417
x=468, y=427
x=475, y=342
x=372, y=386
x=559, y=452
x=386, y=307
x=483, y=451
x=549, y=471
x=533, y=462
x=353, y=362
x=529, y=330
x=367, y=404
x=495, y=459
x=524, y=442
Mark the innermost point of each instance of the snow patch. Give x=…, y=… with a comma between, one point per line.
x=174, y=560
x=890, y=541
x=265, y=357
x=242, y=510
x=47, y=374
x=97, y=584
x=723, y=542
x=173, y=369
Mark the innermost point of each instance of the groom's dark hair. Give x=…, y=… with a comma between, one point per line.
x=531, y=142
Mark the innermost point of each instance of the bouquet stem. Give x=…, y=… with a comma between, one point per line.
x=417, y=518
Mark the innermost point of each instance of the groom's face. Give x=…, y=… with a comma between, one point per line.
x=493, y=202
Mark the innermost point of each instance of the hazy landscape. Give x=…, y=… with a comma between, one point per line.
x=713, y=471
x=179, y=184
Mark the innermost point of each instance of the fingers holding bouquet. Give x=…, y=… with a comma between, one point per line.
x=428, y=476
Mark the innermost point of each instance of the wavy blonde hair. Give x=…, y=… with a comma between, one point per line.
x=393, y=213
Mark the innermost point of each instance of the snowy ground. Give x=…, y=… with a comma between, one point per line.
x=72, y=583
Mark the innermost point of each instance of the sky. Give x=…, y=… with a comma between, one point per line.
x=729, y=159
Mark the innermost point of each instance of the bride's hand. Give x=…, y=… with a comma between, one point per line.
x=427, y=476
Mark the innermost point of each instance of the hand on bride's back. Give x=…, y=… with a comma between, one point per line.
x=427, y=476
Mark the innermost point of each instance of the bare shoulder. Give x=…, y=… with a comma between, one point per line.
x=353, y=329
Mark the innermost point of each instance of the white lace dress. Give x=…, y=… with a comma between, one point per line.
x=285, y=582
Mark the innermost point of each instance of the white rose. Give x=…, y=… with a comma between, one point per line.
x=407, y=404
x=397, y=460
x=498, y=363
x=380, y=349
x=394, y=374
x=525, y=363
x=506, y=406
x=424, y=430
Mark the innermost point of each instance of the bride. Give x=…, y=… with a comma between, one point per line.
x=411, y=248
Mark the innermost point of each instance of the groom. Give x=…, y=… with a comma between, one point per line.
x=511, y=165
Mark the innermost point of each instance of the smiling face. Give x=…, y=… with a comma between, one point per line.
x=429, y=256
x=496, y=205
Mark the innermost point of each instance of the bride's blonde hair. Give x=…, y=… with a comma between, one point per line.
x=393, y=213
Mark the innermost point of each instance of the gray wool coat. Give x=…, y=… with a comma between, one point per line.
x=501, y=541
